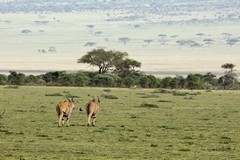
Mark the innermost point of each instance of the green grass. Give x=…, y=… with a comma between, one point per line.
x=158, y=126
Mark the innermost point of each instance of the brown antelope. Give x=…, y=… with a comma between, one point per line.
x=64, y=109
x=92, y=108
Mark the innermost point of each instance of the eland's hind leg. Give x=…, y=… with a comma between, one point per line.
x=89, y=119
x=93, y=119
x=61, y=120
x=68, y=121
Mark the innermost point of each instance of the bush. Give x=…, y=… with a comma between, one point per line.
x=110, y=96
x=147, y=105
x=103, y=80
x=54, y=94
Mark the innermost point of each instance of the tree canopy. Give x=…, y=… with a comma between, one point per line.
x=229, y=67
x=126, y=66
x=107, y=61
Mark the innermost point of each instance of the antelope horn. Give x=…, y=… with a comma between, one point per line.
x=68, y=98
x=98, y=99
x=2, y=114
x=72, y=98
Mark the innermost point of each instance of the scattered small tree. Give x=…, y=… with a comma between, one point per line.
x=232, y=41
x=124, y=40
x=90, y=27
x=148, y=41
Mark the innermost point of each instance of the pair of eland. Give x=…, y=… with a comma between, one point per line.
x=64, y=110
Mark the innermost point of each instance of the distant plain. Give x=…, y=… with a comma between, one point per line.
x=28, y=45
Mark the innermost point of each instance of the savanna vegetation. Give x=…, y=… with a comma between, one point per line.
x=132, y=124
x=115, y=69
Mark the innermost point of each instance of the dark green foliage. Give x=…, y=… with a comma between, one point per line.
x=148, y=105
x=149, y=96
x=53, y=78
x=82, y=79
x=184, y=149
x=153, y=145
x=225, y=140
x=128, y=82
x=104, y=60
x=110, y=96
x=103, y=80
x=126, y=66
x=148, y=81
x=107, y=90
x=3, y=79
x=165, y=101
x=31, y=80
x=165, y=82
x=133, y=78
x=209, y=80
x=61, y=78
x=180, y=93
x=194, y=81
x=67, y=79
x=230, y=78
x=54, y=94
x=161, y=90
x=15, y=78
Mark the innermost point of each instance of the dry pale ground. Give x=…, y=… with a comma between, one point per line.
x=68, y=34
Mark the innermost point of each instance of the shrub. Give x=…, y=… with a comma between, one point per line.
x=54, y=94
x=148, y=105
x=110, y=96
x=103, y=80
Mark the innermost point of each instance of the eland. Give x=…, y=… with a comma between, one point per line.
x=92, y=108
x=64, y=109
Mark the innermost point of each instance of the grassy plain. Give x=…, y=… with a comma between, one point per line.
x=132, y=124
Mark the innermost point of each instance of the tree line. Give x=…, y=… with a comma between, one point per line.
x=115, y=69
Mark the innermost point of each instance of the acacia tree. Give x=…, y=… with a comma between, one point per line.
x=229, y=67
x=124, y=40
x=104, y=60
x=229, y=79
